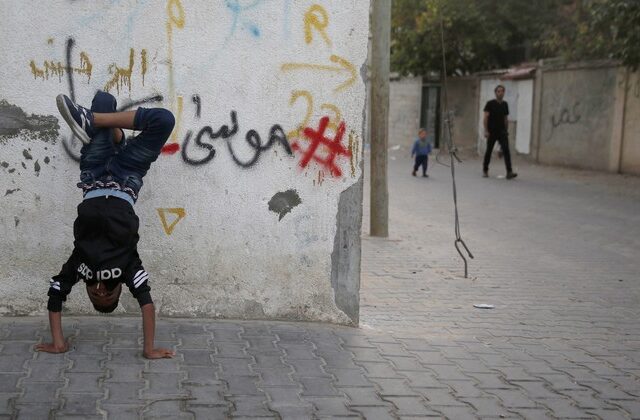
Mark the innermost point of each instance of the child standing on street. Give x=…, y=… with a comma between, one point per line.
x=105, y=251
x=421, y=150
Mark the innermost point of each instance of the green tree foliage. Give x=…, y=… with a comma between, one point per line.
x=611, y=30
x=488, y=34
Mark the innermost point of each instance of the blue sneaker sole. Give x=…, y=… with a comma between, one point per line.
x=66, y=114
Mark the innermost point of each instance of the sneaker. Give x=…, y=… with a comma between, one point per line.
x=511, y=175
x=425, y=175
x=485, y=174
x=80, y=119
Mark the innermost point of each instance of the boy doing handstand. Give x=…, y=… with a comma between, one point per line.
x=106, y=230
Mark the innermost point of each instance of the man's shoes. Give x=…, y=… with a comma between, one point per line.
x=485, y=174
x=425, y=175
x=413, y=173
x=80, y=119
x=511, y=175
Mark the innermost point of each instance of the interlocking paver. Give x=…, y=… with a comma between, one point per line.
x=564, y=408
x=166, y=410
x=486, y=407
x=6, y=402
x=82, y=364
x=209, y=394
x=40, y=392
x=467, y=388
x=14, y=363
x=117, y=372
x=122, y=411
x=9, y=381
x=349, y=377
x=461, y=412
x=275, y=377
x=240, y=366
x=201, y=411
x=243, y=385
x=196, y=357
x=35, y=411
x=332, y=406
x=123, y=392
x=380, y=370
x=78, y=383
x=410, y=406
x=318, y=387
x=246, y=406
x=79, y=404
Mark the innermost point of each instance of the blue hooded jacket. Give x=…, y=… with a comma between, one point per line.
x=422, y=149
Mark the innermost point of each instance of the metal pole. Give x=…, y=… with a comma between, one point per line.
x=380, y=69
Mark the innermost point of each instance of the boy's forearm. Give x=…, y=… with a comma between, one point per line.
x=55, y=324
x=148, y=326
x=149, y=329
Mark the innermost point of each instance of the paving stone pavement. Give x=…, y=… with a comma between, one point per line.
x=556, y=253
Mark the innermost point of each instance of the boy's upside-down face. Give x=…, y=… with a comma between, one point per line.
x=104, y=295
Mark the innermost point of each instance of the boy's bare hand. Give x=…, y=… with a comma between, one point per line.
x=159, y=353
x=52, y=348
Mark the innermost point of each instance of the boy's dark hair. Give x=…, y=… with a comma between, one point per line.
x=498, y=87
x=106, y=309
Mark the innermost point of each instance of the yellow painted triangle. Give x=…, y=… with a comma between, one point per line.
x=178, y=212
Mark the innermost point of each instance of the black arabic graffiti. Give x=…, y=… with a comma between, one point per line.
x=276, y=135
x=252, y=137
x=566, y=116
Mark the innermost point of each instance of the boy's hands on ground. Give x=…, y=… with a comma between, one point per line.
x=158, y=353
x=52, y=348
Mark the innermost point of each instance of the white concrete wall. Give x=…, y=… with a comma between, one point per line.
x=577, y=117
x=272, y=62
x=525, y=116
x=404, y=110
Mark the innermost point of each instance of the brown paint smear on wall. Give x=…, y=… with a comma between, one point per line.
x=52, y=68
x=122, y=76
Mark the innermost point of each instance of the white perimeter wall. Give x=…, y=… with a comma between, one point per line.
x=227, y=254
x=404, y=110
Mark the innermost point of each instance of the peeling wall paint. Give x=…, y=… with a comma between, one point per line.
x=13, y=120
x=238, y=214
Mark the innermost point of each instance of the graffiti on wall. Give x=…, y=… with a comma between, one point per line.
x=566, y=115
x=317, y=145
x=176, y=214
x=325, y=143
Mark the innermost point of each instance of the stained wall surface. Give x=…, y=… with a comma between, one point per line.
x=463, y=103
x=405, y=95
x=231, y=225
x=576, y=117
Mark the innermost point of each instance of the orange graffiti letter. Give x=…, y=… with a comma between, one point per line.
x=316, y=17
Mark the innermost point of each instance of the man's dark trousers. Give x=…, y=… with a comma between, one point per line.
x=503, y=139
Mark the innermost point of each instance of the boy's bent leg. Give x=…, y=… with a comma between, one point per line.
x=156, y=125
x=101, y=148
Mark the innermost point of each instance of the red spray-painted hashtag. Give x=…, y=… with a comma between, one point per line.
x=331, y=148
